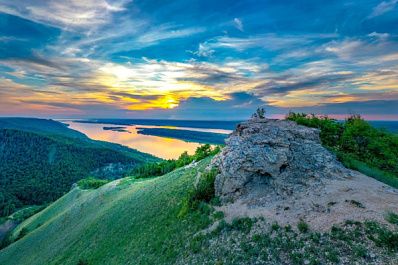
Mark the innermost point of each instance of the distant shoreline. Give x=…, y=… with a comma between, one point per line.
x=185, y=135
x=224, y=125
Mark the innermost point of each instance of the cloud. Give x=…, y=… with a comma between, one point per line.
x=204, y=51
x=379, y=35
x=293, y=83
x=382, y=8
x=238, y=24
x=367, y=49
x=270, y=41
x=165, y=32
x=68, y=14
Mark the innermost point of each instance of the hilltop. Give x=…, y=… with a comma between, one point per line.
x=177, y=219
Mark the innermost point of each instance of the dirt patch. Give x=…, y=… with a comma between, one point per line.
x=357, y=198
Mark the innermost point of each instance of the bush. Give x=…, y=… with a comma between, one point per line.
x=392, y=217
x=24, y=231
x=91, y=183
x=203, y=192
x=303, y=227
x=382, y=236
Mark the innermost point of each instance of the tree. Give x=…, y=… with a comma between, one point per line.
x=24, y=232
x=7, y=240
x=260, y=113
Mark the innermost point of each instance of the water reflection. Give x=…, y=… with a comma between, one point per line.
x=159, y=146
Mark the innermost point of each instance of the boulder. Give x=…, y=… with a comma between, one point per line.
x=278, y=158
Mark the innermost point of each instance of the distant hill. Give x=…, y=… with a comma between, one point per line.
x=225, y=125
x=186, y=135
x=41, y=126
x=38, y=168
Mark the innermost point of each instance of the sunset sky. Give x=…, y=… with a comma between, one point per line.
x=187, y=59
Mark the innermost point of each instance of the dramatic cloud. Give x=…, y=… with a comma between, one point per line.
x=196, y=59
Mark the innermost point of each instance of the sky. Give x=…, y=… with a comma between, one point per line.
x=206, y=60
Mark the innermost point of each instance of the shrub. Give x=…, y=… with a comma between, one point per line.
x=275, y=226
x=392, y=217
x=91, y=183
x=242, y=224
x=203, y=192
x=303, y=227
x=24, y=231
x=260, y=113
x=83, y=262
x=382, y=236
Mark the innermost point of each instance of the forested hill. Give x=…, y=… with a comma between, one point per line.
x=38, y=168
x=41, y=126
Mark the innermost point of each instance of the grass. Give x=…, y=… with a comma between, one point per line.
x=303, y=227
x=391, y=217
x=113, y=224
x=91, y=183
x=136, y=222
x=362, y=167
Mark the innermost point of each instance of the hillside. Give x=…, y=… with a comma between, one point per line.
x=139, y=222
x=123, y=221
x=41, y=126
x=38, y=168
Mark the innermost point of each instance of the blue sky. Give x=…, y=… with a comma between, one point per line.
x=198, y=59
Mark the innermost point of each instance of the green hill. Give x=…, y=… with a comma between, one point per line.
x=38, y=168
x=140, y=222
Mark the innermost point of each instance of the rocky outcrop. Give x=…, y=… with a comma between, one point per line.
x=278, y=170
x=273, y=158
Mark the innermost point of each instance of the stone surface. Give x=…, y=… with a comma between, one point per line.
x=273, y=158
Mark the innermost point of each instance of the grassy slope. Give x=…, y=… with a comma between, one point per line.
x=130, y=222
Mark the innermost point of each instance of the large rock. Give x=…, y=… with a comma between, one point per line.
x=273, y=158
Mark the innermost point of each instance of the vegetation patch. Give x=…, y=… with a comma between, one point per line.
x=160, y=168
x=246, y=241
x=91, y=183
x=357, y=144
x=391, y=217
x=204, y=192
